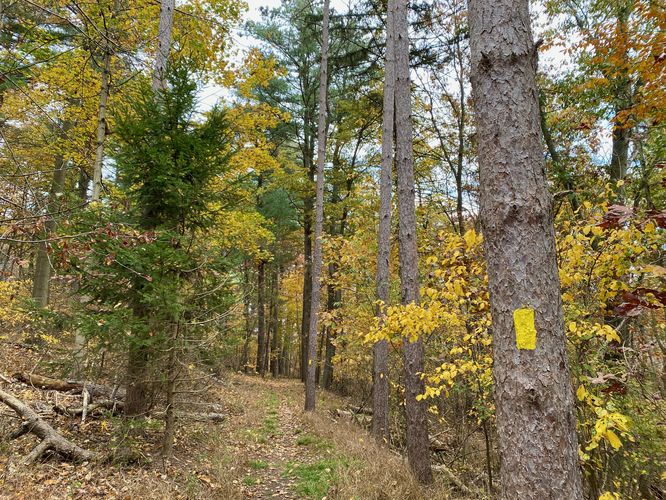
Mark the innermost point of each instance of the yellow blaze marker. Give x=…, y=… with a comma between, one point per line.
x=523, y=321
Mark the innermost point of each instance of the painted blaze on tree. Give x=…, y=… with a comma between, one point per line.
x=533, y=393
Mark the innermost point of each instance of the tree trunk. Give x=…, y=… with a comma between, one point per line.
x=536, y=424
x=167, y=8
x=42, y=278
x=245, y=356
x=101, y=126
x=319, y=217
x=261, y=321
x=380, y=352
x=275, y=339
x=418, y=446
x=333, y=297
x=136, y=386
x=307, y=282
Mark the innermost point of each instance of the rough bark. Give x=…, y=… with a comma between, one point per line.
x=261, y=319
x=51, y=439
x=380, y=352
x=167, y=8
x=418, y=451
x=42, y=278
x=319, y=216
x=533, y=393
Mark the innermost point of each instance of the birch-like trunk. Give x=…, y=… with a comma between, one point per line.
x=536, y=423
x=167, y=8
x=418, y=446
x=101, y=127
x=319, y=217
x=380, y=351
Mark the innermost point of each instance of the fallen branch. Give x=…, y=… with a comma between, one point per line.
x=454, y=479
x=76, y=386
x=51, y=439
x=98, y=405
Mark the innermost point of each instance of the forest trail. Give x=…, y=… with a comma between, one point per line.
x=277, y=454
x=267, y=447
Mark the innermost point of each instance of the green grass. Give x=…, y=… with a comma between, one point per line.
x=250, y=480
x=269, y=426
x=258, y=464
x=315, y=480
x=313, y=441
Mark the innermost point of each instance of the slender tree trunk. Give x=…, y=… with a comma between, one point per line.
x=307, y=282
x=268, y=329
x=622, y=101
x=101, y=126
x=380, y=352
x=333, y=297
x=171, y=383
x=319, y=217
x=245, y=357
x=261, y=321
x=275, y=339
x=536, y=423
x=167, y=8
x=418, y=445
x=42, y=278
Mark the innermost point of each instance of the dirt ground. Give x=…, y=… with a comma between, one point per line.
x=266, y=447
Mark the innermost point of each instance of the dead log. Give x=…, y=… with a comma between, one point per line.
x=50, y=438
x=203, y=417
x=71, y=411
x=75, y=386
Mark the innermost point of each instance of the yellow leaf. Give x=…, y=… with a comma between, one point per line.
x=613, y=439
x=581, y=392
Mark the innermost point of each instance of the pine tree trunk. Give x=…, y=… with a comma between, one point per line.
x=380, y=352
x=418, y=446
x=319, y=217
x=167, y=8
x=536, y=423
x=261, y=320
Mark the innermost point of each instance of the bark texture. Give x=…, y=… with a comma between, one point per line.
x=380, y=352
x=418, y=450
x=533, y=392
x=319, y=217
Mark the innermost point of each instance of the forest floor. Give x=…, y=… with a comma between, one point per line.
x=267, y=447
